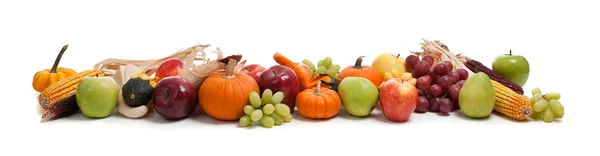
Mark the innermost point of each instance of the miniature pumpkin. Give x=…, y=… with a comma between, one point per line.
x=138, y=90
x=318, y=103
x=43, y=79
x=359, y=70
x=223, y=95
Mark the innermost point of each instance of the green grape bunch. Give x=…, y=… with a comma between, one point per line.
x=268, y=110
x=546, y=106
x=324, y=66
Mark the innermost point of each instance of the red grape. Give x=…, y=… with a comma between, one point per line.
x=440, y=69
x=424, y=82
x=428, y=59
x=434, y=104
x=453, y=75
x=421, y=68
x=413, y=73
x=461, y=83
x=445, y=105
x=449, y=64
x=410, y=62
x=453, y=91
x=422, y=105
x=444, y=82
x=435, y=90
x=462, y=74
x=432, y=75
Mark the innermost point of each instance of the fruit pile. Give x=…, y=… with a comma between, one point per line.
x=268, y=110
x=225, y=88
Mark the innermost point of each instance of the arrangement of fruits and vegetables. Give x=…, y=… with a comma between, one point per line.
x=432, y=80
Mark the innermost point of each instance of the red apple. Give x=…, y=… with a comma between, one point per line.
x=281, y=78
x=170, y=67
x=254, y=70
x=174, y=98
x=398, y=99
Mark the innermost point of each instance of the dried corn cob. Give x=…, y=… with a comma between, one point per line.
x=510, y=103
x=477, y=66
x=64, y=107
x=58, y=99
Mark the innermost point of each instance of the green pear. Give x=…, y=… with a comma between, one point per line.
x=359, y=95
x=477, y=96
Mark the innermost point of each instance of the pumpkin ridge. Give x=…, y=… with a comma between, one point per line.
x=226, y=92
x=234, y=100
x=327, y=110
x=326, y=113
x=315, y=105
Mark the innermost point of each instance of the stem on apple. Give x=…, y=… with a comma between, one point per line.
x=62, y=51
x=358, y=63
x=318, y=91
x=510, y=53
x=229, y=69
x=397, y=56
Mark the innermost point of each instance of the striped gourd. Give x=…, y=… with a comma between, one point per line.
x=58, y=99
x=510, y=103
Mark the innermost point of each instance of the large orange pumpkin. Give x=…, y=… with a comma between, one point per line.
x=318, y=103
x=359, y=70
x=223, y=95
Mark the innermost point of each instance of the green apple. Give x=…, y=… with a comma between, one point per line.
x=97, y=96
x=513, y=67
x=386, y=62
x=359, y=95
x=476, y=98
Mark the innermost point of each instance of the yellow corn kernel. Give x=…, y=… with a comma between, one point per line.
x=388, y=76
x=406, y=76
x=413, y=81
x=395, y=73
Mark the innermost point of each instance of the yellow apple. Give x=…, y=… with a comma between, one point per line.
x=385, y=62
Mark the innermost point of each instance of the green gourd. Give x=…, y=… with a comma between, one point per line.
x=137, y=91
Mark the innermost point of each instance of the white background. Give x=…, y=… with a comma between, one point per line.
x=559, y=39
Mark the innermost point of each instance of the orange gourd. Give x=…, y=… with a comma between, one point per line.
x=44, y=78
x=223, y=95
x=359, y=70
x=318, y=103
x=304, y=78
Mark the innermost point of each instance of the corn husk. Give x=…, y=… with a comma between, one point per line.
x=197, y=66
x=441, y=52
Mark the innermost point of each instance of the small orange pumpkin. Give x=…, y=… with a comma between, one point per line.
x=318, y=103
x=223, y=95
x=44, y=78
x=359, y=70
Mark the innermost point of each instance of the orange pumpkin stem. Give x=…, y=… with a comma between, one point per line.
x=358, y=64
x=318, y=90
x=229, y=69
x=62, y=51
